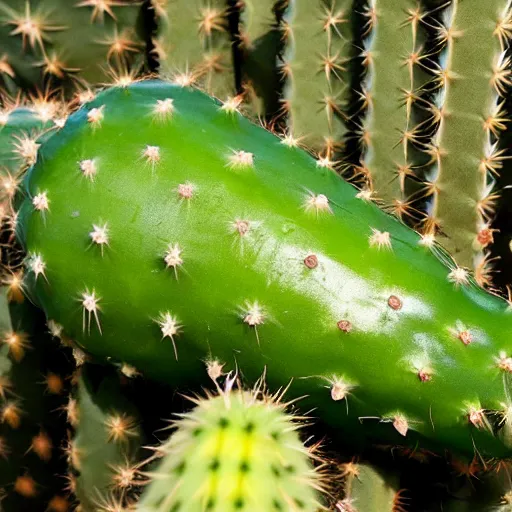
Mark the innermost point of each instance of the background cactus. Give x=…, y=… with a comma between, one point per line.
x=206, y=58
x=32, y=390
x=105, y=449
x=69, y=43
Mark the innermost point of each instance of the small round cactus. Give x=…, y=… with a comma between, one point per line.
x=239, y=450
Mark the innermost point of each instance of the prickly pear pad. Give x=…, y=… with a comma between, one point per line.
x=163, y=228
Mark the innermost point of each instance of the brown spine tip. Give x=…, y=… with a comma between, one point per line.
x=425, y=375
x=485, y=237
x=466, y=337
x=344, y=325
x=394, y=303
x=311, y=261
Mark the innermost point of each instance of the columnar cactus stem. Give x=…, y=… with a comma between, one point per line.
x=392, y=57
x=475, y=77
x=104, y=451
x=262, y=42
x=239, y=450
x=194, y=44
x=319, y=46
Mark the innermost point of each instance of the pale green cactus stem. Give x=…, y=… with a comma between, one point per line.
x=261, y=40
x=368, y=490
x=194, y=44
x=69, y=43
x=318, y=35
x=474, y=77
x=105, y=448
x=392, y=57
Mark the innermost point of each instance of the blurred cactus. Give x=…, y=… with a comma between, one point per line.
x=69, y=44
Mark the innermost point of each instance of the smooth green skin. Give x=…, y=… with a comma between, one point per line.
x=40, y=409
x=394, y=37
x=101, y=457
x=232, y=452
x=79, y=41
x=299, y=338
x=469, y=99
x=186, y=47
x=370, y=491
x=310, y=46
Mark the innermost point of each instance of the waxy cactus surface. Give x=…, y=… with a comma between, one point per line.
x=162, y=228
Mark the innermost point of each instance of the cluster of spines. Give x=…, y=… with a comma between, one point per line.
x=44, y=49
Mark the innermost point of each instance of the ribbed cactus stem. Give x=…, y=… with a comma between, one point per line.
x=475, y=77
x=393, y=37
x=319, y=46
x=104, y=451
x=195, y=45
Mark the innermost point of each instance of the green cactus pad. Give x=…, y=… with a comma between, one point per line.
x=162, y=228
x=106, y=442
x=236, y=451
